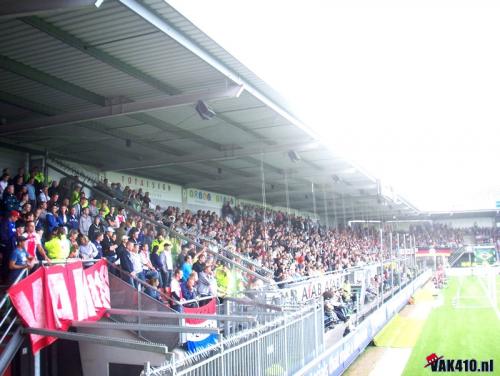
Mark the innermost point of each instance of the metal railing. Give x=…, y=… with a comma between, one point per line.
x=280, y=346
x=11, y=336
x=252, y=267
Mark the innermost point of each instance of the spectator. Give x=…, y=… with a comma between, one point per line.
x=187, y=267
x=54, y=247
x=52, y=219
x=19, y=260
x=10, y=201
x=189, y=291
x=85, y=222
x=175, y=291
x=73, y=219
x=87, y=249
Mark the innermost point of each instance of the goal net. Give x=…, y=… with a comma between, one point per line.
x=477, y=287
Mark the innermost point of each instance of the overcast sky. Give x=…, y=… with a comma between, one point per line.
x=410, y=93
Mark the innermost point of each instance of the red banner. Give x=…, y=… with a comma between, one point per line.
x=52, y=297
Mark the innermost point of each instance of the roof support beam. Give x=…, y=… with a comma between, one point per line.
x=98, y=54
x=49, y=80
x=214, y=156
x=168, y=29
x=120, y=65
x=123, y=109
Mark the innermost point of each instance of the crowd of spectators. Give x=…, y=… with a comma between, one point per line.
x=439, y=235
x=57, y=221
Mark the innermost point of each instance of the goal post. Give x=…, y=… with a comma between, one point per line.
x=476, y=287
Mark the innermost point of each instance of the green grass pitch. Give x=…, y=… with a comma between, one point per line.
x=459, y=333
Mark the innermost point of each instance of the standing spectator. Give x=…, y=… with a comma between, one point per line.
x=95, y=228
x=7, y=234
x=34, y=243
x=85, y=222
x=199, y=265
x=175, y=291
x=97, y=243
x=10, y=201
x=54, y=188
x=189, y=291
x=19, y=260
x=30, y=186
x=93, y=209
x=157, y=262
x=54, y=247
x=187, y=267
x=4, y=182
x=73, y=219
x=43, y=196
x=63, y=217
x=205, y=284
x=52, y=219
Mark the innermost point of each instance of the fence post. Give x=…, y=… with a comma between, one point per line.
x=286, y=349
x=139, y=306
x=227, y=326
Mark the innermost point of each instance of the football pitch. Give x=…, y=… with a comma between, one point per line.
x=464, y=326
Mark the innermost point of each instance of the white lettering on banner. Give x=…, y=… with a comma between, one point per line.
x=312, y=288
x=59, y=295
x=206, y=198
x=33, y=315
x=158, y=190
x=84, y=304
x=52, y=297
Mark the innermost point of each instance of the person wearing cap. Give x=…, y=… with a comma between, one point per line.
x=19, y=260
x=108, y=246
x=122, y=247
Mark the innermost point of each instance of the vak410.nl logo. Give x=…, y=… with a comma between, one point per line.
x=440, y=364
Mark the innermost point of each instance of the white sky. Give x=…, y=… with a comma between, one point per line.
x=411, y=94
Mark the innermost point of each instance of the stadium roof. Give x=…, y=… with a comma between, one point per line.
x=116, y=86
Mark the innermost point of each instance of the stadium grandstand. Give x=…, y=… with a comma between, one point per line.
x=164, y=212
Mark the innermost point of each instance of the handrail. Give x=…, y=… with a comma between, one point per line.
x=294, y=282
x=19, y=277
x=162, y=226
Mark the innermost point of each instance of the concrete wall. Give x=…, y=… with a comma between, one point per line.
x=96, y=358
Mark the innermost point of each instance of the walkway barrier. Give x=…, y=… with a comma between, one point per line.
x=279, y=347
x=335, y=360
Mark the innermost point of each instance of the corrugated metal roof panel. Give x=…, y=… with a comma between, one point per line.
x=22, y=87
x=44, y=53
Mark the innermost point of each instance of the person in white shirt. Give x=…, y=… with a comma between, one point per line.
x=175, y=291
x=33, y=242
